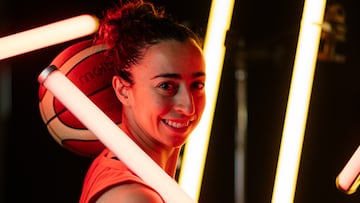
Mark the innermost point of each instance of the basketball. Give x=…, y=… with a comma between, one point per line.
x=83, y=64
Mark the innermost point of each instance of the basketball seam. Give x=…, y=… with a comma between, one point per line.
x=65, y=67
x=58, y=113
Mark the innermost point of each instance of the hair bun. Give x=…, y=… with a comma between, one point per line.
x=123, y=20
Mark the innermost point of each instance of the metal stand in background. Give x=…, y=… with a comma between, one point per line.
x=5, y=108
x=241, y=126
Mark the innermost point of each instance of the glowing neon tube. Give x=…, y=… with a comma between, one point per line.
x=349, y=178
x=299, y=98
x=111, y=135
x=47, y=35
x=195, y=152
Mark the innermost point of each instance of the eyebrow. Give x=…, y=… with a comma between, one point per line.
x=175, y=75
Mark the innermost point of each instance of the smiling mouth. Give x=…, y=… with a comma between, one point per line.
x=177, y=124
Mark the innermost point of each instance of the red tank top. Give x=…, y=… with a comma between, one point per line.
x=106, y=171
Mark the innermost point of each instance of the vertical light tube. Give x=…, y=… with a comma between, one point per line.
x=299, y=97
x=47, y=35
x=195, y=151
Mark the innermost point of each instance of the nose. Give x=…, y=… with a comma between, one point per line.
x=184, y=101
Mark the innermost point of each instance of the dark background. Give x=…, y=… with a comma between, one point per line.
x=262, y=37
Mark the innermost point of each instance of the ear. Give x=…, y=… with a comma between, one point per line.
x=121, y=88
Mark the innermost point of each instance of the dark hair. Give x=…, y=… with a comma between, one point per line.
x=128, y=29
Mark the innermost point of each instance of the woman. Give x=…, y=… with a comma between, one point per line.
x=160, y=83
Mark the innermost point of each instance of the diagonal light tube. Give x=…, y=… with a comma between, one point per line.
x=111, y=135
x=47, y=35
x=195, y=152
x=348, y=179
x=298, y=103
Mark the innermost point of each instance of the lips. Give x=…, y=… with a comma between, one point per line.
x=177, y=124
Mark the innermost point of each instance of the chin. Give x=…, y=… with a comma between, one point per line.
x=178, y=141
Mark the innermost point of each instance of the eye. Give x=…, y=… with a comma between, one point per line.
x=198, y=87
x=169, y=88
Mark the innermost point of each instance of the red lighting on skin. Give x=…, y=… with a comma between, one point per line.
x=112, y=136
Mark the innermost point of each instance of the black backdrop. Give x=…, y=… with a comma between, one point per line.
x=36, y=169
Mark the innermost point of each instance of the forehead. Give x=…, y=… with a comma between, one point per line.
x=172, y=56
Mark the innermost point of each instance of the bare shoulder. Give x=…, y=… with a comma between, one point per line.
x=130, y=193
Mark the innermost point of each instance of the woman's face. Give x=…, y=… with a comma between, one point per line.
x=167, y=98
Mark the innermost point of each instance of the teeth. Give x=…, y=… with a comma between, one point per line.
x=177, y=124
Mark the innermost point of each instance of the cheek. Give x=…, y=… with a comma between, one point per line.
x=200, y=103
x=163, y=105
x=156, y=103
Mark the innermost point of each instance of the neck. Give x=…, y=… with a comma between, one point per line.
x=166, y=158
x=171, y=163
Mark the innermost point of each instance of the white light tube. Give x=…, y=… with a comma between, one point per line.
x=349, y=178
x=195, y=152
x=47, y=35
x=299, y=97
x=111, y=135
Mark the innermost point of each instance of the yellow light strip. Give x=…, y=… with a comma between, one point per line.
x=299, y=97
x=47, y=35
x=195, y=152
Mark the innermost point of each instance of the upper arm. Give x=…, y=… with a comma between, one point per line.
x=130, y=193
